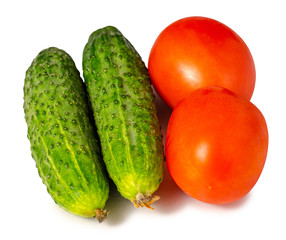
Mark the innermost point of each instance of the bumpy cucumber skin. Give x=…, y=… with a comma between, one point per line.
x=63, y=139
x=120, y=91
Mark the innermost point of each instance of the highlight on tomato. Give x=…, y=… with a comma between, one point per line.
x=196, y=52
x=216, y=145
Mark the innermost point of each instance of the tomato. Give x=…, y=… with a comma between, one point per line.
x=216, y=145
x=197, y=52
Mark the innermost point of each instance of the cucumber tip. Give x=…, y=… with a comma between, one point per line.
x=144, y=200
x=101, y=215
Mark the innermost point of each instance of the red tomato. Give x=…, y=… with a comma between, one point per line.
x=216, y=145
x=198, y=52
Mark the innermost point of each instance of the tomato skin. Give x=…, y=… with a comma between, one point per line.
x=197, y=52
x=216, y=145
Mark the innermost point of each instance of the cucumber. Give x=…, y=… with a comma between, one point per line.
x=125, y=114
x=63, y=139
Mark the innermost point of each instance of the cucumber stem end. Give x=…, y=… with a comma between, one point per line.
x=146, y=200
x=101, y=215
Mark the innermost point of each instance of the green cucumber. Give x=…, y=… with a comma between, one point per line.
x=125, y=114
x=63, y=140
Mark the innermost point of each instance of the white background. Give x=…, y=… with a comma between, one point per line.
x=26, y=209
